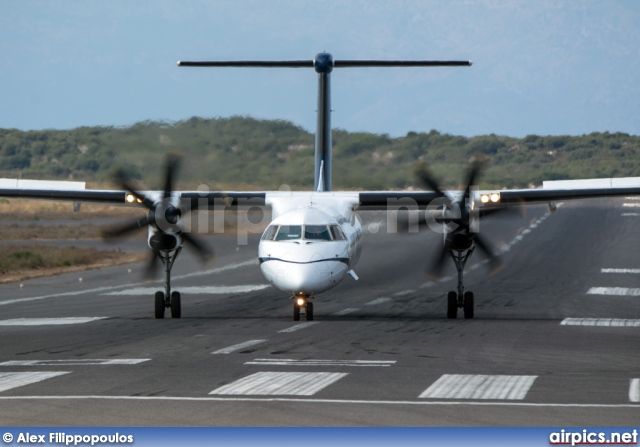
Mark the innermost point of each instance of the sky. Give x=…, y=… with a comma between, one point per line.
x=540, y=67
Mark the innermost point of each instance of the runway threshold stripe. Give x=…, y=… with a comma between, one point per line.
x=601, y=322
x=9, y=380
x=634, y=390
x=470, y=386
x=634, y=271
x=613, y=291
x=208, y=290
x=312, y=362
x=48, y=321
x=74, y=362
x=238, y=347
x=280, y=383
x=297, y=327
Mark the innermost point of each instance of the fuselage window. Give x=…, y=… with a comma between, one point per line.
x=270, y=233
x=337, y=233
x=289, y=232
x=317, y=233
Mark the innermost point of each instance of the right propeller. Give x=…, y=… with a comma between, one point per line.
x=459, y=217
x=461, y=235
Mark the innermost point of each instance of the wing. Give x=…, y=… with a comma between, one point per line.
x=233, y=199
x=382, y=200
x=108, y=197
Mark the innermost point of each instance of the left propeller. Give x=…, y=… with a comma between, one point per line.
x=163, y=217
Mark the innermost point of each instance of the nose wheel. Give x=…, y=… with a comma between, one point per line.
x=302, y=306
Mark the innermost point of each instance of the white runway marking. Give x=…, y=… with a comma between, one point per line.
x=238, y=347
x=404, y=292
x=613, y=291
x=470, y=386
x=48, y=321
x=378, y=301
x=635, y=271
x=106, y=289
x=630, y=214
x=10, y=380
x=299, y=400
x=346, y=311
x=601, y=322
x=631, y=205
x=297, y=327
x=73, y=362
x=208, y=290
x=311, y=362
x=634, y=390
x=280, y=383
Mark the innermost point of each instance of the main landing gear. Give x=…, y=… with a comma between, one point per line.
x=168, y=299
x=302, y=306
x=461, y=299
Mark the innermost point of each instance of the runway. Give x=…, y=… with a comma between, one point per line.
x=554, y=342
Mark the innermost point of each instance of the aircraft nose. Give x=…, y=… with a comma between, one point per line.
x=307, y=278
x=301, y=277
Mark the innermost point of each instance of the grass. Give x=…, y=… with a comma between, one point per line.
x=22, y=262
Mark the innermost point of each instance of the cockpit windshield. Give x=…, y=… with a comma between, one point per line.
x=317, y=232
x=311, y=233
x=289, y=232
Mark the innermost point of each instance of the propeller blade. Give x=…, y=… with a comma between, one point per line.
x=120, y=177
x=126, y=228
x=434, y=272
x=495, y=262
x=206, y=254
x=151, y=269
x=426, y=179
x=472, y=174
x=171, y=166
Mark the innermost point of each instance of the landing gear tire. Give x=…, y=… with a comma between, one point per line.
x=159, y=313
x=468, y=305
x=296, y=312
x=309, y=311
x=452, y=305
x=176, y=310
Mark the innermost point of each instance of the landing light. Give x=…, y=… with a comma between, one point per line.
x=301, y=301
x=130, y=198
x=495, y=197
x=484, y=198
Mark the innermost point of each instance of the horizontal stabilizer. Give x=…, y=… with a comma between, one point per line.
x=336, y=64
x=372, y=63
x=276, y=64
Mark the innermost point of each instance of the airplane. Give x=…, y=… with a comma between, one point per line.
x=315, y=238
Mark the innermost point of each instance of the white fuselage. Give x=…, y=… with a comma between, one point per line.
x=313, y=241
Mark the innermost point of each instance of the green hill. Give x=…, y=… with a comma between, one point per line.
x=245, y=153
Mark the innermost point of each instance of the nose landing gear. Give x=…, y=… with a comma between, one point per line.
x=461, y=299
x=302, y=306
x=168, y=299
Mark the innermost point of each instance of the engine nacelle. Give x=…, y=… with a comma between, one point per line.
x=161, y=241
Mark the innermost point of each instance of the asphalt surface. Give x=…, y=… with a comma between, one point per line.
x=547, y=347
